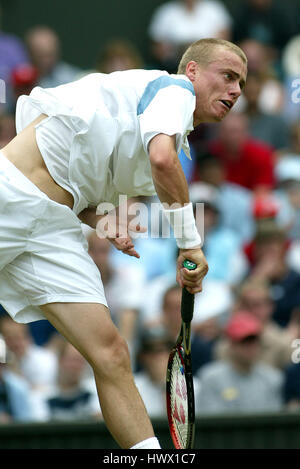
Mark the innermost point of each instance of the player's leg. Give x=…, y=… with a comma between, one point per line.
x=90, y=329
x=52, y=265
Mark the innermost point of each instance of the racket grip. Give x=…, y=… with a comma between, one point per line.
x=187, y=300
x=187, y=306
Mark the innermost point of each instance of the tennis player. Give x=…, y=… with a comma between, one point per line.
x=84, y=143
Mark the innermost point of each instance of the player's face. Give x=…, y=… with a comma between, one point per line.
x=218, y=86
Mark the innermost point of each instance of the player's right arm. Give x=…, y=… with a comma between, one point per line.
x=171, y=187
x=168, y=176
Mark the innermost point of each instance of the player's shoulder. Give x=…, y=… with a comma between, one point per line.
x=135, y=76
x=161, y=83
x=170, y=82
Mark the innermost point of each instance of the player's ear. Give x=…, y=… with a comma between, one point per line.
x=191, y=69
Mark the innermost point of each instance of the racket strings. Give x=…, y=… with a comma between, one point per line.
x=179, y=402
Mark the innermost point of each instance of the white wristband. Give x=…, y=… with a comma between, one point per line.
x=182, y=221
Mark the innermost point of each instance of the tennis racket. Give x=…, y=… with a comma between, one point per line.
x=180, y=386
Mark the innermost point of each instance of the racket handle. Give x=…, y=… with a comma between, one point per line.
x=187, y=306
x=187, y=300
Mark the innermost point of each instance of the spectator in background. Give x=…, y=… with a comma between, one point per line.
x=246, y=161
x=234, y=201
x=261, y=62
x=240, y=384
x=268, y=21
x=15, y=402
x=281, y=208
x=293, y=150
x=176, y=24
x=45, y=53
x=71, y=397
x=287, y=172
x=117, y=55
x=221, y=244
x=267, y=256
x=254, y=297
x=35, y=364
x=269, y=128
x=7, y=129
x=154, y=350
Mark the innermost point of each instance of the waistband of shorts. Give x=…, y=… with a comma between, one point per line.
x=16, y=177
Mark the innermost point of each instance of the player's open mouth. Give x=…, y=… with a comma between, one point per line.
x=227, y=104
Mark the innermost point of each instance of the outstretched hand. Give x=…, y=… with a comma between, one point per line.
x=117, y=231
x=125, y=244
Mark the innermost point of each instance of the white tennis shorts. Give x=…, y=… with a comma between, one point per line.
x=43, y=252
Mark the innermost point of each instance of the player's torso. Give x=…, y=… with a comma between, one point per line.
x=118, y=162
x=105, y=155
x=24, y=153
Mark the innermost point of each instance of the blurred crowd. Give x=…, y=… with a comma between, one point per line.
x=246, y=172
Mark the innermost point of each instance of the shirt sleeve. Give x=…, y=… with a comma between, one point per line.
x=167, y=107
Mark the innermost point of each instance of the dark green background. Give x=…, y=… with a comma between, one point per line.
x=269, y=431
x=85, y=25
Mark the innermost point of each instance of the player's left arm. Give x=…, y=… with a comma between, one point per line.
x=123, y=243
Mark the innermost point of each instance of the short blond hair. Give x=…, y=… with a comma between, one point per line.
x=204, y=52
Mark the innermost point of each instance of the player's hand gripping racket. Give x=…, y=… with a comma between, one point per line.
x=180, y=387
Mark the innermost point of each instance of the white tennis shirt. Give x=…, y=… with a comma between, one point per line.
x=110, y=119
